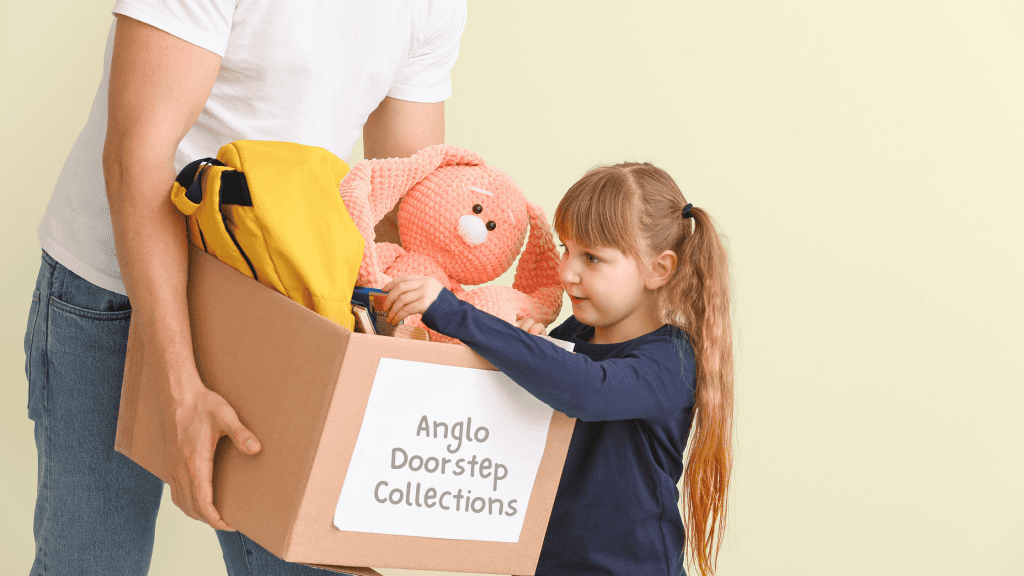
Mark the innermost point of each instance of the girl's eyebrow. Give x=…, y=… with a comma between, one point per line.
x=480, y=190
x=598, y=249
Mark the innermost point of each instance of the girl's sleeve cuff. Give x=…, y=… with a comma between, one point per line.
x=441, y=310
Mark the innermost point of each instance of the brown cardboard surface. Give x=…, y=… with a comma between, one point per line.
x=301, y=384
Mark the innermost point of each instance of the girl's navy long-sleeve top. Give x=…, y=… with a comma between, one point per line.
x=616, y=509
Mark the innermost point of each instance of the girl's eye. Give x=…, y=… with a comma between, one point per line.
x=591, y=258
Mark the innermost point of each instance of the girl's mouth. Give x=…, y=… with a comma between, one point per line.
x=576, y=299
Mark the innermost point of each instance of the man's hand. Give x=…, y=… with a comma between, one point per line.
x=408, y=295
x=196, y=423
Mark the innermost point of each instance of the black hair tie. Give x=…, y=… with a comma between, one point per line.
x=686, y=211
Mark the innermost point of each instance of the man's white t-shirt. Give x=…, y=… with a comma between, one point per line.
x=302, y=71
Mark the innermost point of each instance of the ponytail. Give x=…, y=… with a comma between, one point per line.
x=699, y=297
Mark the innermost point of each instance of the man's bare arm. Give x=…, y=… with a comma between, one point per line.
x=158, y=86
x=397, y=129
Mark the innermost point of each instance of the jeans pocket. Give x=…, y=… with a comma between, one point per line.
x=89, y=313
x=79, y=297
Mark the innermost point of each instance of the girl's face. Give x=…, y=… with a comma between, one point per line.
x=608, y=292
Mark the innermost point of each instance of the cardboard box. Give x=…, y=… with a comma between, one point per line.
x=306, y=387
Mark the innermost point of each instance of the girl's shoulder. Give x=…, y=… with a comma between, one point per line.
x=572, y=327
x=569, y=328
x=667, y=338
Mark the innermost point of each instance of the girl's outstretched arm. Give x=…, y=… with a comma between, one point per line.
x=652, y=380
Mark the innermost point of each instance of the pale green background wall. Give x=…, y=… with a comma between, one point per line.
x=865, y=160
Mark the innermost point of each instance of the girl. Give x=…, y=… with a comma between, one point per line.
x=647, y=277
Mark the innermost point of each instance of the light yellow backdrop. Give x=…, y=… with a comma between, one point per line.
x=865, y=160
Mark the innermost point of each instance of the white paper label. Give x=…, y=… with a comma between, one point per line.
x=444, y=452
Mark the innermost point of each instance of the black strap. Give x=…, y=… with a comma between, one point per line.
x=188, y=180
x=234, y=189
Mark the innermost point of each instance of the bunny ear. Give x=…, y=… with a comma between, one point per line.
x=373, y=187
x=537, y=272
x=461, y=157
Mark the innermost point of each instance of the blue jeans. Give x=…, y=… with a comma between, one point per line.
x=96, y=509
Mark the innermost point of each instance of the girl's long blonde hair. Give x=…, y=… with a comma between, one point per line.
x=638, y=209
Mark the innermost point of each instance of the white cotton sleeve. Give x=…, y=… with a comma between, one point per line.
x=426, y=74
x=205, y=23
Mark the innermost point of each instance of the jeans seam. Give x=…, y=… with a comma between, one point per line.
x=45, y=418
x=63, y=285
x=33, y=320
x=46, y=263
x=245, y=553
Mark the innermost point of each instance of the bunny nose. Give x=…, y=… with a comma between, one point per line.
x=473, y=230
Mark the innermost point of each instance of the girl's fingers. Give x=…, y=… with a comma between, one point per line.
x=398, y=288
x=405, y=305
x=408, y=295
x=531, y=326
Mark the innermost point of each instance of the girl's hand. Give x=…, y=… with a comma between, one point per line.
x=408, y=295
x=532, y=326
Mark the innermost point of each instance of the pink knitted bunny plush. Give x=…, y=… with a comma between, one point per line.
x=460, y=221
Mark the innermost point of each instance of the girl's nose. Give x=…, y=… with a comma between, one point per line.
x=566, y=272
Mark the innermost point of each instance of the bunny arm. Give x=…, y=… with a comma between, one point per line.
x=500, y=301
x=542, y=305
x=506, y=303
x=409, y=263
x=387, y=254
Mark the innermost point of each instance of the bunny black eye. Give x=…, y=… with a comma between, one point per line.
x=491, y=225
x=477, y=209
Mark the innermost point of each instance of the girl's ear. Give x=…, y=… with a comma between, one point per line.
x=661, y=269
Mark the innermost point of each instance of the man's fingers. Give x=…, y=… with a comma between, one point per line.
x=202, y=488
x=241, y=437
